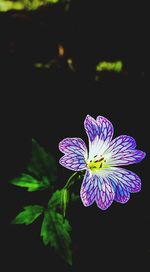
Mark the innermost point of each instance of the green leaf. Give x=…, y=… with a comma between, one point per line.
x=61, y=198
x=32, y=184
x=55, y=200
x=40, y=172
x=56, y=232
x=42, y=164
x=29, y=215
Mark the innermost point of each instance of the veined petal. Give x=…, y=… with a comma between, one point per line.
x=106, y=128
x=73, y=161
x=124, y=182
x=98, y=188
x=126, y=177
x=73, y=145
x=100, y=127
x=126, y=158
x=91, y=128
x=121, y=144
x=105, y=192
x=121, y=151
x=88, y=189
x=100, y=133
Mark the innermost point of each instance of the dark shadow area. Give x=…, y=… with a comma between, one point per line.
x=51, y=104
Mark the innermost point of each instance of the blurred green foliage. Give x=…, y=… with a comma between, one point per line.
x=40, y=172
x=9, y=5
x=109, y=66
x=26, y=4
x=48, y=65
x=42, y=164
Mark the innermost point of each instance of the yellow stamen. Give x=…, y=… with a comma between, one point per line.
x=95, y=165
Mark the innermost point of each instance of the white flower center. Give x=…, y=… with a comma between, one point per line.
x=97, y=160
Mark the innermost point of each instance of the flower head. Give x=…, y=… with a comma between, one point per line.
x=103, y=181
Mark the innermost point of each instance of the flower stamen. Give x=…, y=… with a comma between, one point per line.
x=95, y=165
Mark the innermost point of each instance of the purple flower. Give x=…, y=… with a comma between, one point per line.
x=103, y=181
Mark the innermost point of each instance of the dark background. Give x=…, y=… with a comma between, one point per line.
x=50, y=105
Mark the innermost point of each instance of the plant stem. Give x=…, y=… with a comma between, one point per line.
x=70, y=181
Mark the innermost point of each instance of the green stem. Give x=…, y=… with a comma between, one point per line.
x=70, y=181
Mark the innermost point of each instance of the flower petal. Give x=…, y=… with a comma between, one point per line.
x=121, y=143
x=121, y=152
x=91, y=127
x=124, y=182
x=105, y=192
x=73, y=145
x=73, y=161
x=121, y=193
x=100, y=127
x=88, y=189
x=126, y=158
x=106, y=128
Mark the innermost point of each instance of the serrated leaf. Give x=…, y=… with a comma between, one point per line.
x=56, y=232
x=29, y=215
x=42, y=164
x=40, y=172
x=60, y=199
x=55, y=200
x=32, y=184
